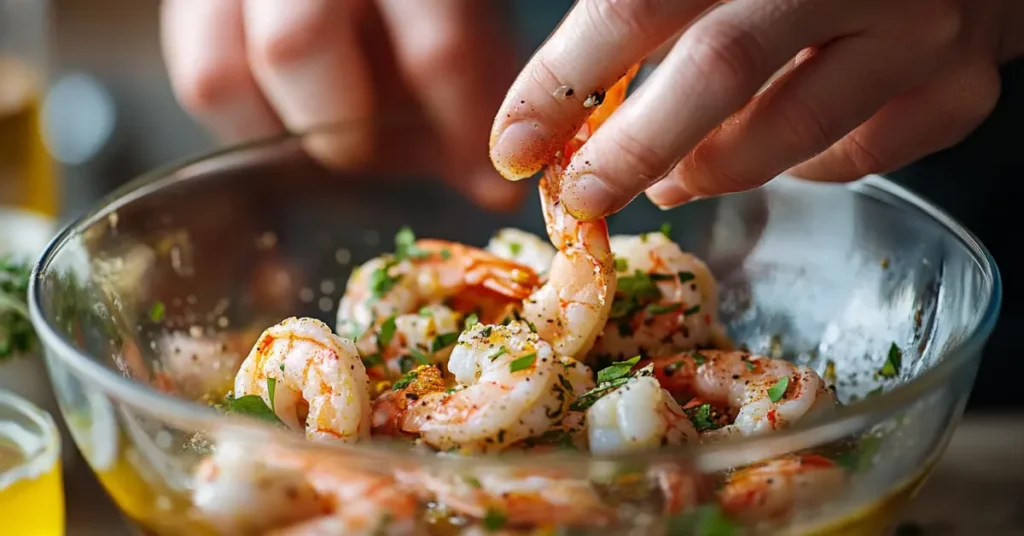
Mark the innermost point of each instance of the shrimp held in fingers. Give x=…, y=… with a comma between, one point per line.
x=318, y=379
x=666, y=300
x=766, y=394
x=512, y=387
x=572, y=307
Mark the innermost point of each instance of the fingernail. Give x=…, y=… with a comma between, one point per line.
x=587, y=197
x=669, y=194
x=521, y=150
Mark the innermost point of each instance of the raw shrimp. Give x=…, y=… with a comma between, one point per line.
x=246, y=489
x=767, y=394
x=638, y=415
x=666, y=300
x=319, y=382
x=427, y=272
x=572, y=307
x=521, y=497
x=512, y=387
x=522, y=247
x=774, y=489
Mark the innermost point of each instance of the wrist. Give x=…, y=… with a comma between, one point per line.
x=1012, y=35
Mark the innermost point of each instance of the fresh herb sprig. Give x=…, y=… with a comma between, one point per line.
x=254, y=406
x=609, y=379
x=16, y=333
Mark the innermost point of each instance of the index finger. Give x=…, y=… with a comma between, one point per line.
x=553, y=95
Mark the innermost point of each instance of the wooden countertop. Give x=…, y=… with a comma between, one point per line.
x=975, y=490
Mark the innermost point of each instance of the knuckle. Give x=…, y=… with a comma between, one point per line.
x=293, y=40
x=209, y=88
x=727, y=58
x=863, y=158
x=807, y=127
x=639, y=159
x=436, y=54
x=622, y=17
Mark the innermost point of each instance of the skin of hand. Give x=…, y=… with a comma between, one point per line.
x=253, y=68
x=830, y=90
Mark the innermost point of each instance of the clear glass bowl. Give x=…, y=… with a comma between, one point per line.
x=146, y=305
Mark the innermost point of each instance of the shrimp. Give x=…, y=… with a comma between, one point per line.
x=427, y=272
x=774, y=489
x=203, y=366
x=318, y=379
x=512, y=387
x=390, y=406
x=572, y=307
x=402, y=341
x=277, y=492
x=522, y=497
x=666, y=300
x=767, y=394
x=638, y=415
x=522, y=247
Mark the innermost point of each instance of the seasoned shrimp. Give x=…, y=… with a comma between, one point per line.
x=522, y=247
x=638, y=415
x=401, y=342
x=572, y=307
x=666, y=300
x=278, y=492
x=774, y=489
x=427, y=272
x=320, y=384
x=205, y=365
x=512, y=387
x=767, y=394
x=390, y=406
x=521, y=497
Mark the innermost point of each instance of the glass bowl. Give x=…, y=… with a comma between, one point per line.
x=147, y=304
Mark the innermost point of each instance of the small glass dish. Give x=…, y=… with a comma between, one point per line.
x=31, y=481
x=147, y=304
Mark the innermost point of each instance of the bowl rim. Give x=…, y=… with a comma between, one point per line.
x=187, y=414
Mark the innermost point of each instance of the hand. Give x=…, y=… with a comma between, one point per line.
x=251, y=68
x=862, y=87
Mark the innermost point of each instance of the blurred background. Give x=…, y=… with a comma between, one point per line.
x=107, y=115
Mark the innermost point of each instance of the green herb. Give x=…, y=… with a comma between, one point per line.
x=494, y=520
x=405, y=245
x=420, y=357
x=156, y=312
x=634, y=292
x=750, y=366
x=692, y=310
x=381, y=282
x=471, y=321
x=776, y=392
x=387, y=332
x=859, y=457
x=425, y=312
x=16, y=333
x=533, y=328
x=621, y=265
x=893, y=362
x=701, y=417
x=472, y=481
x=498, y=354
x=617, y=370
x=658, y=309
x=707, y=520
x=590, y=397
x=515, y=248
x=443, y=341
x=666, y=229
x=271, y=386
x=486, y=332
x=252, y=406
x=522, y=363
x=685, y=277
x=405, y=380
x=699, y=358
x=445, y=254
x=372, y=360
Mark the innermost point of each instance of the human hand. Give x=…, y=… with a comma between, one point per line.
x=251, y=68
x=865, y=87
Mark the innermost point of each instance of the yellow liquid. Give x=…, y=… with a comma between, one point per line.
x=33, y=505
x=27, y=173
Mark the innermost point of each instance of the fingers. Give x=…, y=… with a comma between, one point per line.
x=713, y=70
x=592, y=48
x=456, y=58
x=912, y=126
x=803, y=113
x=204, y=48
x=307, y=59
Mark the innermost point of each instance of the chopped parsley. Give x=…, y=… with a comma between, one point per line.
x=472, y=481
x=387, y=332
x=443, y=341
x=471, y=321
x=658, y=309
x=777, y=391
x=522, y=363
x=405, y=380
x=372, y=360
x=707, y=520
x=621, y=265
x=419, y=357
x=515, y=248
x=617, y=370
x=590, y=397
x=381, y=282
x=405, y=245
x=702, y=417
x=254, y=406
x=501, y=351
x=157, y=311
x=16, y=333
x=686, y=277
x=666, y=229
x=893, y=363
x=494, y=520
x=699, y=358
x=692, y=310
